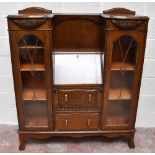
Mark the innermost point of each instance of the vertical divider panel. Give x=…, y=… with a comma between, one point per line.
x=107, y=64
x=49, y=76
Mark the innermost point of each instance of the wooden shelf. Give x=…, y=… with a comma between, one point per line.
x=36, y=67
x=117, y=66
x=115, y=93
x=77, y=51
x=31, y=47
x=39, y=93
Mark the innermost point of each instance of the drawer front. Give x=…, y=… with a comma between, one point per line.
x=77, y=121
x=73, y=98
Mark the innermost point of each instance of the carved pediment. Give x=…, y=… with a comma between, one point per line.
x=29, y=23
x=127, y=23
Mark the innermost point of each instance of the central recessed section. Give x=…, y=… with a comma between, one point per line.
x=77, y=50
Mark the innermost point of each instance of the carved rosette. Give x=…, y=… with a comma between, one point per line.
x=29, y=23
x=126, y=23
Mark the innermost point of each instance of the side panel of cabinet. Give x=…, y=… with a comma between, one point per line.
x=31, y=61
x=124, y=57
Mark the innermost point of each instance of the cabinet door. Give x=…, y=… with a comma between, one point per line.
x=31, y=56
x=124, y=63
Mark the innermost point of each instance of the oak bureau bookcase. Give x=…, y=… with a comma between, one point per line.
x=77, y=74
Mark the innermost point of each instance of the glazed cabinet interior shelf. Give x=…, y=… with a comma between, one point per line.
x=77, y=74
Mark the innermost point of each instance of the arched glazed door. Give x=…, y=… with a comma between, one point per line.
x=32, y=67
x=122, y=70
x=32, y=58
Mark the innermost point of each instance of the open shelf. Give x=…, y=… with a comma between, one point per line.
x=33, y=86
x=31, y=47
x=35, y=114
x=40, y=94
x=118, y=66
x=35, y=67
x=114, y=93
x=77, y=51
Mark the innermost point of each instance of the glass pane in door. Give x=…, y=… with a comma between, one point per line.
x=121, y=81
x=32, y=67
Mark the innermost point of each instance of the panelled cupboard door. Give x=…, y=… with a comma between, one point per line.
x=31, y=58
x=125, y=52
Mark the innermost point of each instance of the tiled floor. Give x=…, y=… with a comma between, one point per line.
x=144, y=141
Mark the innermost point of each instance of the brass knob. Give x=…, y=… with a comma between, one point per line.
x=89, y=98
x=66, y=122
x=88, y=122
x=66, y=99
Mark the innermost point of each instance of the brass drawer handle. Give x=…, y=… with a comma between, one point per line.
x=66, y=99
x=66, y=122
x=88, y=122
x=89, y=98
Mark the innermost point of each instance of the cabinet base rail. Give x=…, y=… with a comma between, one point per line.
x=26, y=135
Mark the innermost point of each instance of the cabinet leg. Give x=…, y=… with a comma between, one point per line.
x=131, y=143
x=22, y=142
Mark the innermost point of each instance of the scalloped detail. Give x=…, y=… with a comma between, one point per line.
x=127, y=23
x=29, y=23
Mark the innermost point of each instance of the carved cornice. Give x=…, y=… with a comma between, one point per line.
x=127, y=23
x=29, y=23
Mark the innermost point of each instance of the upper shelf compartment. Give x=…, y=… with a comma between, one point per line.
x=77, y=33
x=31, y=54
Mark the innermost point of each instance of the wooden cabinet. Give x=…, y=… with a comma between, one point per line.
x=77, y=75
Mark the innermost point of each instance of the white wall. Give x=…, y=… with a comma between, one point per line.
x=146, y=111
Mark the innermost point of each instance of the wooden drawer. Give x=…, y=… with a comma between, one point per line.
x=78, y=97
x=77, y=121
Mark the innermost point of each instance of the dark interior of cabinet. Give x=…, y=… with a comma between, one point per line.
x=124, y=51
x=35, y=114
x=33, y=86
x=118, y=113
